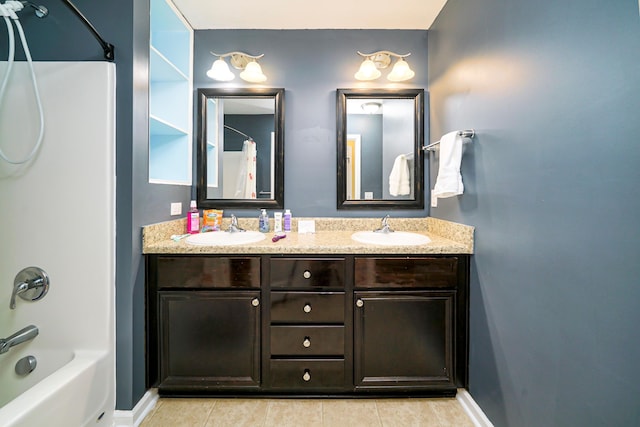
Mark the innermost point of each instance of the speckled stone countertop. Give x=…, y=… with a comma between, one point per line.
x=332, y=236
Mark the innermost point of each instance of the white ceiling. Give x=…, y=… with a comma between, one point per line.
x=310, y=14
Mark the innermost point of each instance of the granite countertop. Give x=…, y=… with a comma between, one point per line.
x=332, y=236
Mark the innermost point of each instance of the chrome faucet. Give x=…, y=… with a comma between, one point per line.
x=25, y=334
x=384, y=226
x=234, y=227
x=30, y=284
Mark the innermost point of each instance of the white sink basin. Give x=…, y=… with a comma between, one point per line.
x=223, y=238
x=397, y=238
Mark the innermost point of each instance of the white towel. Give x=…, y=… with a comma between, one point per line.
x=399, y=184
x=449, y=181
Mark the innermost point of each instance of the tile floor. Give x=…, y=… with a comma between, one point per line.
x=196, y=412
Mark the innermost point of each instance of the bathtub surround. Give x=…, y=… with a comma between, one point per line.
x=75, y=351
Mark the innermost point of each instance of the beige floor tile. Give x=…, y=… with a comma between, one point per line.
x=186, y=412
x=293, y=413
x=352, y=413
x=238, y=413
x=407, y=413
x=450, y=413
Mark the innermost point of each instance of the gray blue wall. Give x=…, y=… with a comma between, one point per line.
x=553, y=186
x=311, y=65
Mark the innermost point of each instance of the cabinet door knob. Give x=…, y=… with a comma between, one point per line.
x=307, y=342
x=359, y=303
x=307, y=375
x=307, y=308
x=306, y=274
x=255, y=302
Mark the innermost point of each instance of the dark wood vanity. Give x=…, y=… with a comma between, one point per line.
x=307, y=324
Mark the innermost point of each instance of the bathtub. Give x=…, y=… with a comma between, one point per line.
x=59, y=214
x=66, y=397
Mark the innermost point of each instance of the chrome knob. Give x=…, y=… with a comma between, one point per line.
x=307, y=375
x=307, y=308
x=359, y=303
x=255, y=302
x=306, y=274
x=307, y=342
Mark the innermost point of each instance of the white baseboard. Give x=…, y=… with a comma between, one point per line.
x=134, y=417
x=472, y=409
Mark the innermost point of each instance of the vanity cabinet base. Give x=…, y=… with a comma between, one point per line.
x=346, y=325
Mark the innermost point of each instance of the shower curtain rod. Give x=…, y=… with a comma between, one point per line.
x=237, y=131
x=108, y=48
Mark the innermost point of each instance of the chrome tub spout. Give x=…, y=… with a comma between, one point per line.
x=23, y=335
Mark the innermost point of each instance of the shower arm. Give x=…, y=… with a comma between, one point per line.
x=107, y=47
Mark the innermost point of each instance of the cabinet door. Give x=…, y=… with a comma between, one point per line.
x=403, y=339
x=209, y=340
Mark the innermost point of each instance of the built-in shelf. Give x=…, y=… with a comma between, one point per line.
x=170, y=96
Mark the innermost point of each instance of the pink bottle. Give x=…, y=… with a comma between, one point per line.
x=193, y=219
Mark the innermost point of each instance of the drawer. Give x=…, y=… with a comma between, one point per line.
x=208, y=272
x=423, y=272
x=323, y=340
x=307, y=373
x=307, y=307
x=307, y=273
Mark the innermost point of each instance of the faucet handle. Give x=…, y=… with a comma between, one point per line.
x=384, y=226
x=234, y=225
x=30, y=284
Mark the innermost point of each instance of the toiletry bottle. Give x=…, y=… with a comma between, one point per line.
x=287, y=220
x=193, y=219
x=277, y=222
x=263, y=221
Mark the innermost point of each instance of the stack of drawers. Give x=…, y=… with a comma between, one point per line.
x=307, y=329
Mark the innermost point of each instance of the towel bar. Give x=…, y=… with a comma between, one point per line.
x=463, y=133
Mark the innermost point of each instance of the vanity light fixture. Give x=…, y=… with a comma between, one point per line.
x=373, y=62
x=252, y=72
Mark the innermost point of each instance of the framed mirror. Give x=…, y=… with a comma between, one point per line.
x=240, y=148
x=380, y=140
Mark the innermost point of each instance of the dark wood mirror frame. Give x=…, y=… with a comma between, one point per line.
x=277, y=199
x=417, y=95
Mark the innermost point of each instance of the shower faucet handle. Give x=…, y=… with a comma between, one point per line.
x=30, y=284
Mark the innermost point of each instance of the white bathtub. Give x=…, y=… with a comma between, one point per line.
x=70, y=396
x=59, y=214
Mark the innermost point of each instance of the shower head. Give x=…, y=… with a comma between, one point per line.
x=40, y=10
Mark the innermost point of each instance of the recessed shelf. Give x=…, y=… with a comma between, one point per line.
x=170, y=96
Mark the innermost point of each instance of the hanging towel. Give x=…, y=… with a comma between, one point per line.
x=246, y=188
x=399, y=184
x=449, y=181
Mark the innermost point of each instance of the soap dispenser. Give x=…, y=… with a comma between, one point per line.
x=263, y=221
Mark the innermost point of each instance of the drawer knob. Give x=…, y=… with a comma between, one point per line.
x=255, y=302
x=307, y=308
x=307, y=375
x=307, y=342
x=306, y=274
x=359, y=303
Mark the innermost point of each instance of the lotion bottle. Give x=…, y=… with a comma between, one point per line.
x=277, y=222
x=287, y=220
x=193, y=219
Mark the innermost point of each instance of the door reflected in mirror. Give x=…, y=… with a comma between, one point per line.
x=240, y=149
x=380, y=139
